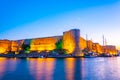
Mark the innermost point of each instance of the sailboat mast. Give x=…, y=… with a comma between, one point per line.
x=103, y=40
x=87, y=40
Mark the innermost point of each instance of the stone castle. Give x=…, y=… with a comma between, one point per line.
x=72, y=42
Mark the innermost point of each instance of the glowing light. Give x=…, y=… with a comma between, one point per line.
x=4, y=46
x=43, y=44
x=97, y=48
x=82, y=43
x=2, y=50
x=68, y=42
x=14, y=46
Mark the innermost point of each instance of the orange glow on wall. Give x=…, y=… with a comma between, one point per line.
x=43, y=44
x=4, y=46
x=97, y=48
x=82, y=43
x=2, y=50
x=111, y=49
x=14, y=46
x=90, y=45
x=68, y=42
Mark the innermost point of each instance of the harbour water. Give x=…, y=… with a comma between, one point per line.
x=101, y=68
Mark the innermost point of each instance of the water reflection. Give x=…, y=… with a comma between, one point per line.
x=78, y=69
x=49, y=69
x=15, y=69
x=69, y=68
x=2, y=67
x=60, y=69
x=102, y=68
x=11, y=61
x=42, y=69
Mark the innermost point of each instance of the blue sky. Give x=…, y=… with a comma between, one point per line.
x=20, y=19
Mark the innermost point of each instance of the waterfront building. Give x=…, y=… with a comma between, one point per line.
x=72, y=43
x=44, y=44
x=111, y=49
x=14, y=46
x=90, y=45
x=5, y=46
x=97, y=48
x=83, y=43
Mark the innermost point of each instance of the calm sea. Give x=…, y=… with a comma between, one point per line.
x=60, y=69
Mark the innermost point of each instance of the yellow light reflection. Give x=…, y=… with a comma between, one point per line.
x=36, y=64
x=49, y=69
x=43, y=68
x=69, y=67
x=2, y=66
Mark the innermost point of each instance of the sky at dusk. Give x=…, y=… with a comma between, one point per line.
x=21, y=19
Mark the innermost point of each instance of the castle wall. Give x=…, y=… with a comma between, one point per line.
x=83, y=43
x=43, y=44
x=4, y=46
x=90, y=45
x=111, y=49
x=71, y=41
x=97, y=48
x=14, y=46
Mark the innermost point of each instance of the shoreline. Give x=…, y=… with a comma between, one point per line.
x=36, y=55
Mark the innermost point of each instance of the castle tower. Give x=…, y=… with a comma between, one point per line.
x=71, y=40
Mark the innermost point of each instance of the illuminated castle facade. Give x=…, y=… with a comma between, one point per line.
x=73, y=43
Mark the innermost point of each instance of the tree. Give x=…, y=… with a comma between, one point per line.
x=59, y=47
x=26, y=47
x=59, y=44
